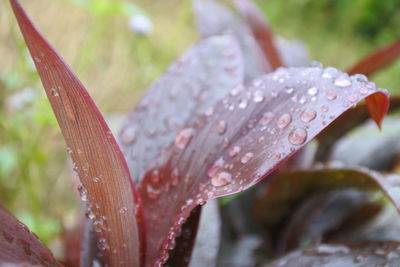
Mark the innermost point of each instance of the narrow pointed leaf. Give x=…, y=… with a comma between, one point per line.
x=20, y=246
x=106, y=183
x=191, y=85
x=377, y=60
x=214, y=18
x=248, y=135
x=261, y=31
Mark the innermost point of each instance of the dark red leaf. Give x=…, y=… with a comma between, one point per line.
x=213, y=18
x=248, y=135
x=191, y=85
x=339, y=255
x=348, y=121
x=377, y=60
x=20, y=246
x=106, y=183
x=261, y=31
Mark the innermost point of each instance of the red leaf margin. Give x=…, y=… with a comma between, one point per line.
x=101, y=166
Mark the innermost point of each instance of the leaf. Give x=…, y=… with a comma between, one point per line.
x=340, y=127
x=191, y=85
x=261, y=31
x=248, y=135
x=20, y=246
x=213, y=18
x=338, y=255
x=106, y=183
x=377, y=60
x=285, y=190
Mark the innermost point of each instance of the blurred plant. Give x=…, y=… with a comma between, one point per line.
x=205, y=129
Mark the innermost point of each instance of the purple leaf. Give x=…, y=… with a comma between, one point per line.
x=248, y=135
x=106, y=183
x=20, y=246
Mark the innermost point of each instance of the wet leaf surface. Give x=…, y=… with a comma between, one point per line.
x=106, y=184
x=248, y=135
x=338, y=255
x=190, y=86
x=20, y=246
x=377, y=60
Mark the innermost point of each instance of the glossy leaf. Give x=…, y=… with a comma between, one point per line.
x=248, y=135
x=261, y=31
x=377, y=60
x=20, y=246
x=191, y=85
x=286, y=189
x=338, y=255
x=340, y=127
x=106, y=183
x=213, y=18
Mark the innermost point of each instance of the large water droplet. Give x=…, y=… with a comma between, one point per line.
x=215, y=167
x=266, y=118
x=184, y=137
x=221, y=127
x=342, y=81
x=312, y=91
x=284, y=120
x=330, y=95
x=308, y=115
x=247, y=157
x=297, y=136
x=152, y=193
x=258, y=96
x=234, y=151
x=221, y=179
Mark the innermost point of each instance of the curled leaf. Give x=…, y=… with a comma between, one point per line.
x=248, y=135
x=106, y=183
x=19, y=246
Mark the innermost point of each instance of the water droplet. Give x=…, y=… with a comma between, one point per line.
x=302, y=100
x=38, y=60
x=184, y=137
x=123, y=210
x=152, y=193
x=342, y=81
x=325, y=108
x=96, y=179
x=329, y=73
x=312, y=91
x=243, y=104
x=175, y=177
x=352, y=98
x=360, y=78
x=308, y=115
x=209, y=111
x=247, y=157
x=236, y=90
x=90, y=214
x=128, y=134
x=297, y=136
x=277, y=156
x=257, y=82
x=330, y=95
x=258, y=96
x=221, y=179
x=289, y=90
x=234, y=151
x=53, y=92
x=155, y=176
x=102, y=244
x=363, y=90
x=316, y=64
x=215, y=167
x=221, y=127
x=266, y=118
x=284, y=120
x=82, y=192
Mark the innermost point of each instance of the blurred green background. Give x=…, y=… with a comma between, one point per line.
x=117, y=64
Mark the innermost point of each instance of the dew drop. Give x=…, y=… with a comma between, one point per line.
x=90, y=214
x=236, y=90
x=123, y=210
x=82, y=192
x=247, y=157
x=155, y=176
x=258, y=96
x=363, y=90
x=215, y=167
x=184, y=137
x=243, y=104
x=302, y=100
x=209, y=111
x=308, y=115
x=289, y=90
x=53, y=92
x=284, y=120
x=312, y=91
x=342, y=81
x=102, y=244
x=175, y=177
x=325, y=108
x=330, y=95
x=234, y=151
x=128, y=135
x=297, y=136
x=352, y=98
x=96, y=179
x=221, y=127
x=266, y=118
x=221, y=179
x=152, y=193
x=257, y=83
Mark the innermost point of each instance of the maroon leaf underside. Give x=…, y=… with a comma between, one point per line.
x=377, y=60
x=191, y=85
x=248, y=135
x=106, y=182
x=287, y=188
x=261, y=31
x=20, y=246
x=214, y=18
x=338, y=255
x=340, y=127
